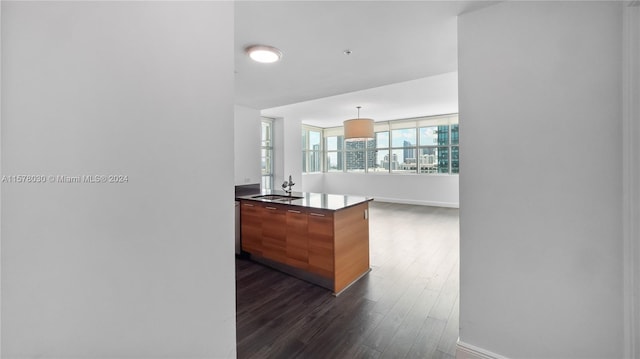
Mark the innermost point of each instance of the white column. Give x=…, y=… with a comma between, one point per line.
x=541, y=238
x=138, y=269
x=631, y=175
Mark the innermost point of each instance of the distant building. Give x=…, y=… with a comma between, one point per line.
x=408, y=152
x=443, y=135
x=393, y=164
x=355, y=155
x=315, y=159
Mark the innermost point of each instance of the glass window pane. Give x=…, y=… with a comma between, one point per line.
x=266, y=156
x=267, y=182
x=379, y=161
x=454, y=134
x=266, y=166
x=266, y=133
x=428, y=136
x=403, y=138
x=371, y=143
x=332, y=143
x=434, y=135
x=355, y=160
x=455, y=158
x=354, y=145
x=314, y=140
x=334, y=161
x=406, y=160
x=304, y=139
x=315, y=163
x=304, y=161
x=443, y=159
x=428, y=160
x=382, y=139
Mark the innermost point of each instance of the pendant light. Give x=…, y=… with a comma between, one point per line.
x=358, y=129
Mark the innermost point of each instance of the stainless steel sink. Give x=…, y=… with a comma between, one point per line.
x=276, y=197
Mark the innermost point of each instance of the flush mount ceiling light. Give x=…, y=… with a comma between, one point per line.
x=264, y=54
x=358, y=129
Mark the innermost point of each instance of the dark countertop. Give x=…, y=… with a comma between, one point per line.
x=331, y=202
x=247, y=189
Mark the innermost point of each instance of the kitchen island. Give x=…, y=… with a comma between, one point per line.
x=321, y=238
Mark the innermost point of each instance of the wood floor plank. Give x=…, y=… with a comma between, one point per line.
x=427, y=339
x=363, y=352
x=380, y=338
x=405, y=307
x=400, y=344
x=441, y=355
x=448, y=341
x=448, y=295
x=346, y=331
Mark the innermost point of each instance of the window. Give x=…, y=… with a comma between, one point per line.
x=403, y=150
x=434, y=150
x=311, y=149
x=358, y=155
x=334, y=146
x=267, y=154
x=428, y=145
x=455, y=149
x=379, y=153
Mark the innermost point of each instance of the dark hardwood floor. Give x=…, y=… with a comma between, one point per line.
x=406, y=307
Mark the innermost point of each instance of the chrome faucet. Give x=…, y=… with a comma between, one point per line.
x=288, y=184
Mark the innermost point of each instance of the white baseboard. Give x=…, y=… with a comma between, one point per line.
x=468, y=351
x=416, y=202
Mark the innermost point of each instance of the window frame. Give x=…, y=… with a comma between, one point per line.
x=307, y=152
x=339, y=151
x=266, y=148
x=370, y=153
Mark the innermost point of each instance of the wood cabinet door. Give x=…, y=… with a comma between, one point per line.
x=297, y=241
x=320, y=228
x=274, y=233
x=251, y=227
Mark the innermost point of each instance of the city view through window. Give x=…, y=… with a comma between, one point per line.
x=422, y=148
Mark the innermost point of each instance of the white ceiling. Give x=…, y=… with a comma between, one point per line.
x=391, y=42
x=435, y=95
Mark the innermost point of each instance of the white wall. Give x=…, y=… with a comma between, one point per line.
x=1, y=186
x=313, y=182
x=431, y=190
x=287, y=148
x=631, y=173
x=143, y=269
x=541, y=240
x=278, y=152
x=292, y=151
x=247, y=145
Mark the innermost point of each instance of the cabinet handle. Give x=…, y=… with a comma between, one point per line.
x=292, y=211
x=317, y=214
x=247, y=204
x=270, y=207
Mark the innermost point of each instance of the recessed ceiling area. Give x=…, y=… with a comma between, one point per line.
x=390, y=42
x=434, y=95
